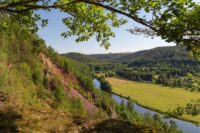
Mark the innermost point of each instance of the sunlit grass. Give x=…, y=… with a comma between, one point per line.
x=155, y=96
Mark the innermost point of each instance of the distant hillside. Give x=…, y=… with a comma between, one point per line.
x=171, y=56
x=156, y=53
x=171, y=52
x=81, y=57
x=168, y=54
x=110, y=56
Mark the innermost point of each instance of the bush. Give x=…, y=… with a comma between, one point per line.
x=60, y=101
x=37, y=77
x=59, y=94
x=63, y=102
x=77, y=107
x=105, y=85
x=87, y=82
x=105, y=102
x=179, y=111
x=46, y=82
x=54, y=83
x=66, y=66
x=43, y=93
x=25, y=69
x=37, y=74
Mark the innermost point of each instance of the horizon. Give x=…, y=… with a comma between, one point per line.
x=131, y=52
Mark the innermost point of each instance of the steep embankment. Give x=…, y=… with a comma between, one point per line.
x=37, y=94
x=40, y=116
x=67, y=78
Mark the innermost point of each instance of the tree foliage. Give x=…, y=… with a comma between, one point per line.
x=174, y=21
x=105, y=86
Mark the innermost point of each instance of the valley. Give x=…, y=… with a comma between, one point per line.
x=163, y=79
x=143, y=77
x=43, y=91
x=155, y=97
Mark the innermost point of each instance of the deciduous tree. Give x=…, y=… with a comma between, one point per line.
x=175, y=21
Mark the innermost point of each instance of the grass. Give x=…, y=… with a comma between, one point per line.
x=155, y=96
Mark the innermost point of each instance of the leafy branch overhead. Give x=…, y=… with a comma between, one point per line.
x=175, y=21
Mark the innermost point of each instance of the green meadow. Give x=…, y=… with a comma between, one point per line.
x=155, y=96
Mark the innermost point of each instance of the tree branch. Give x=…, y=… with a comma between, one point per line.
x=139, y=20
x=13, y=4
x=99, y=3
x=34, y=7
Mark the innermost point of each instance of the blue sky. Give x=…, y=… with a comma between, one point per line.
x=123, y=42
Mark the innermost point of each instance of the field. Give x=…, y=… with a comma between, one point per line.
x=155, y=96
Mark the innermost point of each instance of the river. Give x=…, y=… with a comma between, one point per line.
x=187, y=127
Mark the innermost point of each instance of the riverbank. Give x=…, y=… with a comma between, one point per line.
x=156, y=110
x=153, y=95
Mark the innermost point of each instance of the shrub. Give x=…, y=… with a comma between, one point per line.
x=105, y=85
x=37, y=74
x=59, y=94
x=66, y=66
x=43, y=93
x=46, y=82
x=25, y=69
x=86, y=81
x=60, y=101
x=105, y=102
x=77, y=107
x=37, y=77
x=179, y=111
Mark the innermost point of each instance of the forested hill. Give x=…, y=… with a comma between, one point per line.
x=159, y=53
x=110, y=56
x=81, y=57
x=171, y=55
x=170, y=52
x=95, y=57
